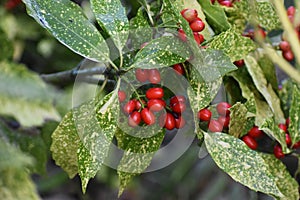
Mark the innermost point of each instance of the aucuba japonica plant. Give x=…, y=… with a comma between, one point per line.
x=160, y=70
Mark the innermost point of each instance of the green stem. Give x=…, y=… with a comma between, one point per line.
x=282, y=63
x=288, y=28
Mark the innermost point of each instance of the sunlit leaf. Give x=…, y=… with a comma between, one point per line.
x=259, y=172
x=66, y=22
x=238, y=119
x=294, y=127
x=27, y=98
x=112, y=18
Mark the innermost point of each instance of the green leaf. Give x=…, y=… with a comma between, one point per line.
x=267, y=16
x=15, y=182
x=269, y=71
x=140, y=31
x=233, y=44
x=112, y=18
x=264, y=87
x=27, y=98
x=96, y=135
x=271, y=128
x=65, y=143
x=162, y=52
x=239, y=15
x=67, y=23
x=286, y=94
x=138, y=153
x=259, y=172
x=294, y=127
x=6, y=45
x=215, y=16
x=238, y=119
x=33, y=145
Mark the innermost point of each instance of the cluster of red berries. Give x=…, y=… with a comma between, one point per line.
x=216, y=125
x=10, y=4
x=150, y=109
x=196, y=24
x=284, y=45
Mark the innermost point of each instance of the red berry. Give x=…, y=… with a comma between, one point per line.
x=224, y=120
x=129, y=107
x=250, y=142
x=223, y=108
x=134, y=119
x=139, y=104
x=121, y=95
x=215, y=126
x=169, y=121
x=199, y=38
x=182, y=35
x=239, y=63
x=288, y=139
x=141, y=75
x=226, y=3
x=178, y=107
x=10, y=4
x=179, y=122
x=255, y=132
x=177, y=99
x=278, y=151
x=285, y=46
x=154, y=76
x=291, y=11
x=155, y=93
x=197, y=25
x=296, y=145
x=288, y=55
x=156, y=105
x=147, y=116
x=283, y=127
x=189, y=14
x=204, y=114
x=178, y=69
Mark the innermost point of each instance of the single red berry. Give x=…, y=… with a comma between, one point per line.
x=154, y=76
x=147, y=116
x=155, y=93
x=250, y=142
x=179, y=122
x=182, y=35
x=177, y=99
x=189, y=14
x=10, y=4
x=291, y=11
x=178, y=69
x=170, y=122
x=129, y=107
x=121, y=95
x=226, y=3
x=288, y=139
x=278, y=151
x=283, y=127
x=156, y=105
x=287, y=122
x=199, y=38
x=288, y=55
x=239, y=63
x=255, y=132
x=223, y=108
x=224, y=120
x=197, y=25
x=134, y=119
x=284, y=46
x=179, y=107
x=141, y=75
x=215, y=126
x=296, y=145
x=261, y=33
x=204, y=114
